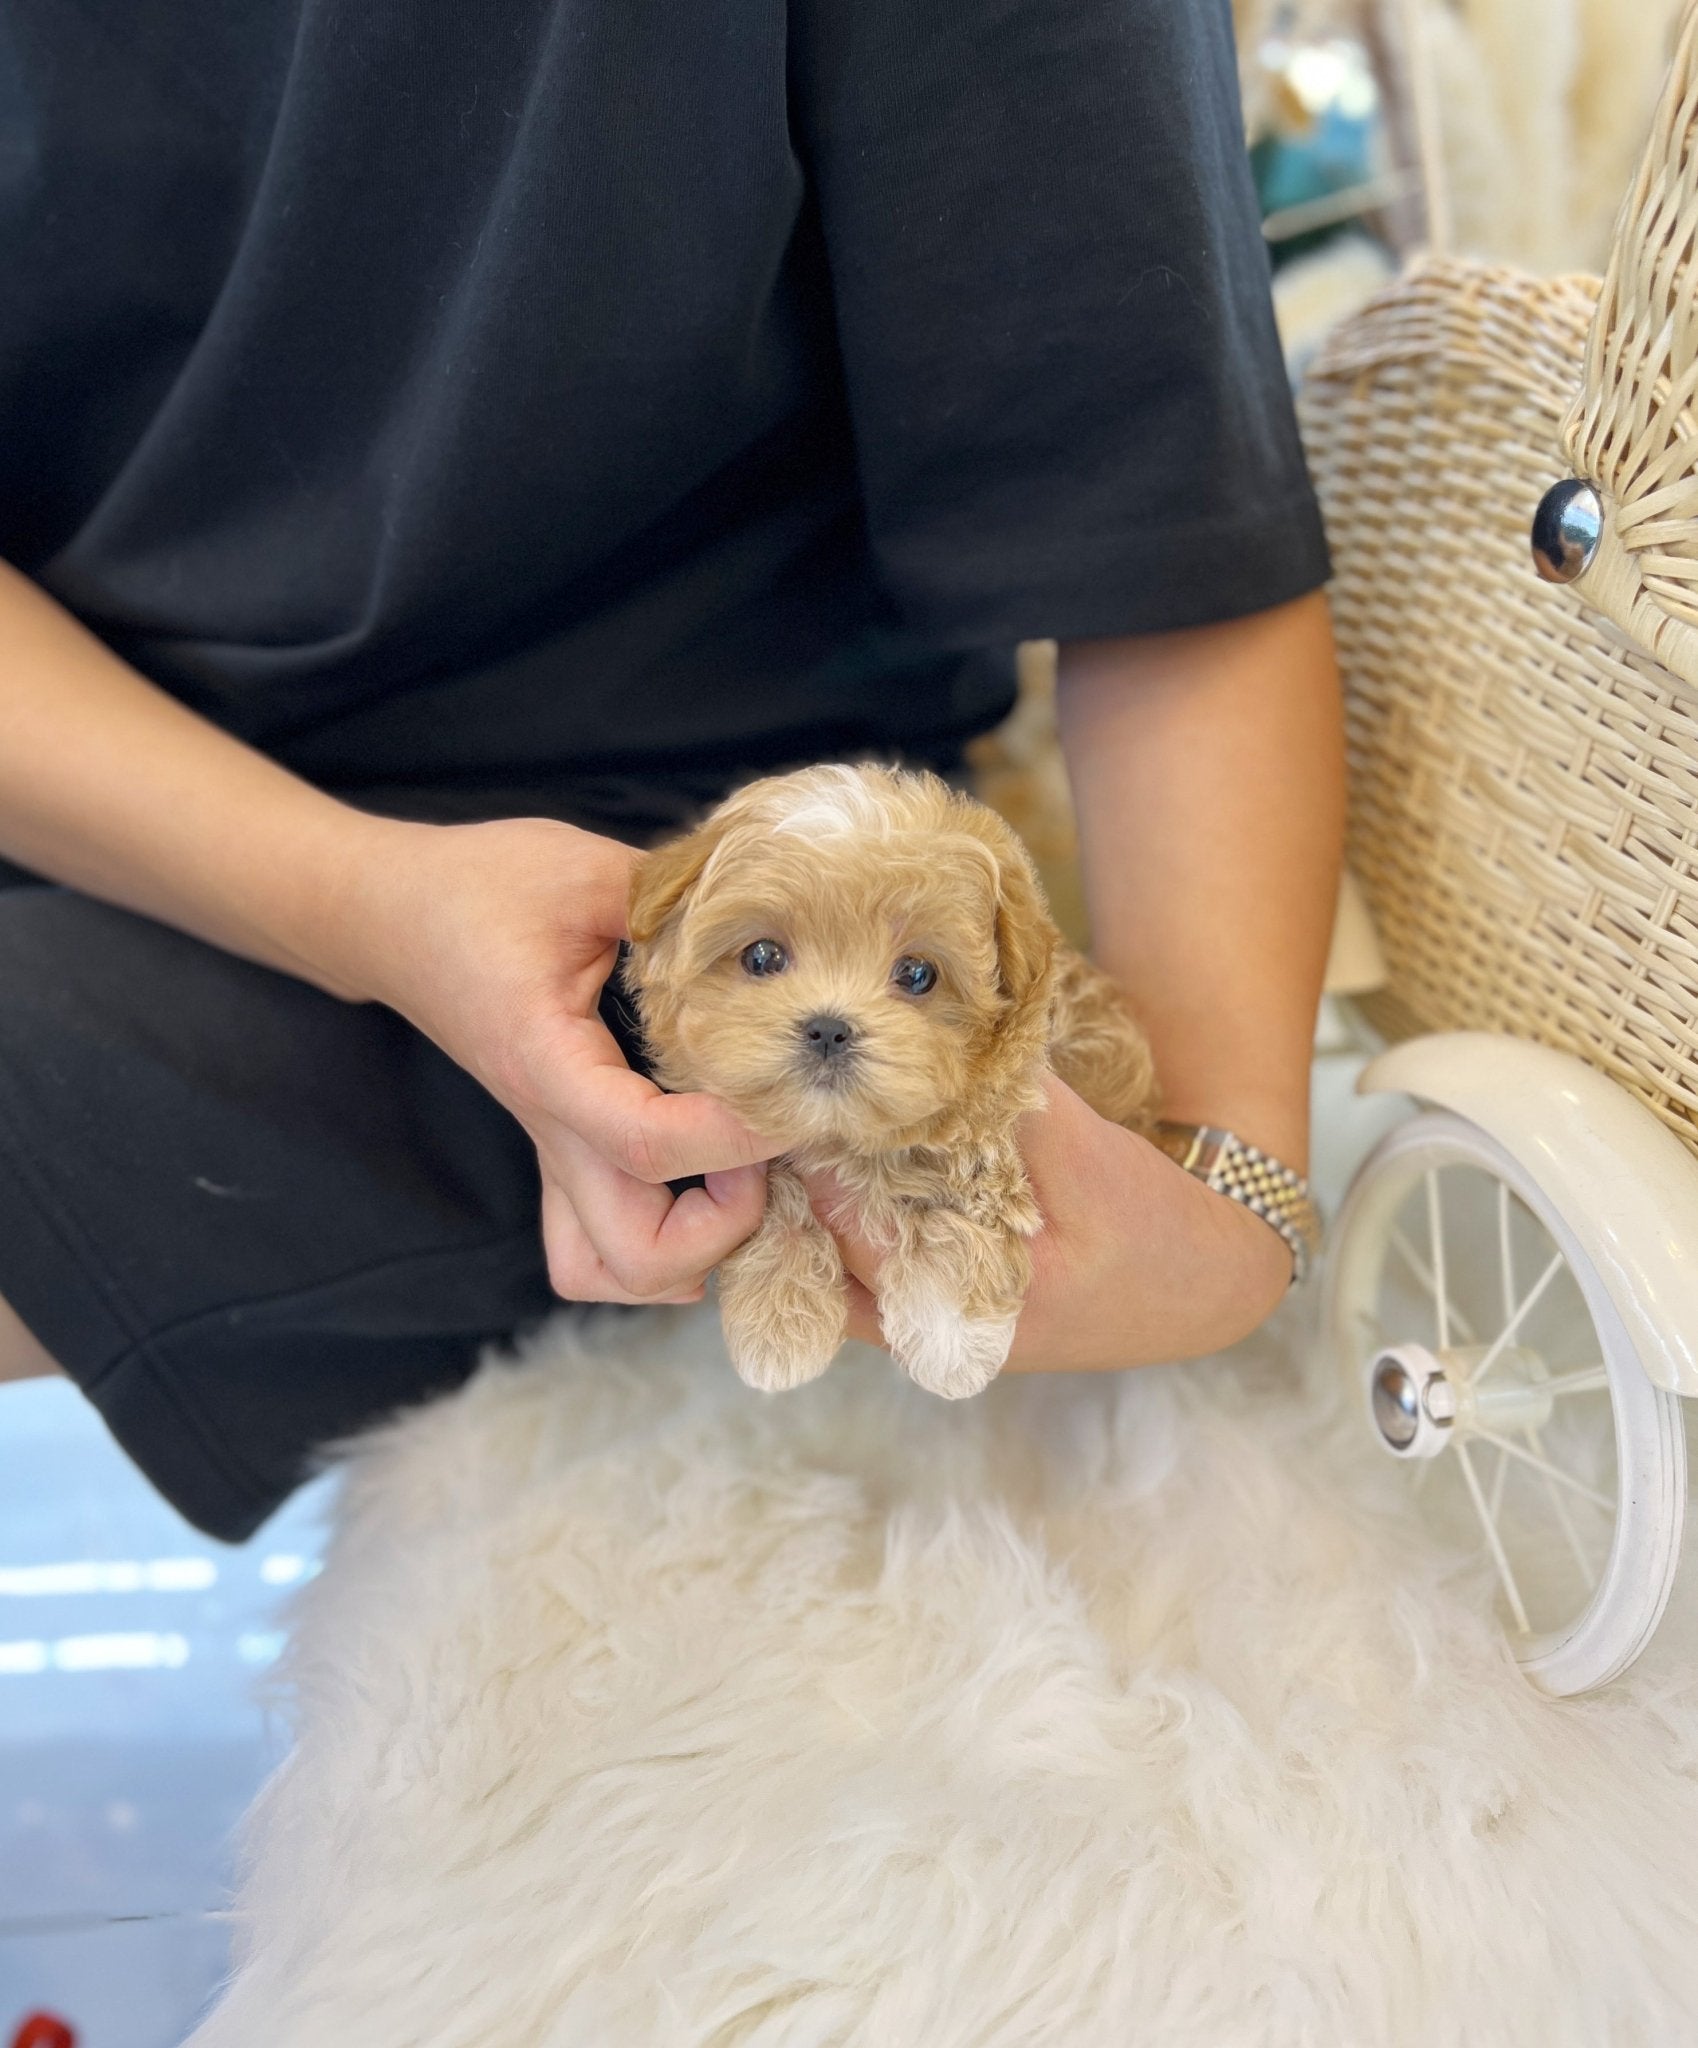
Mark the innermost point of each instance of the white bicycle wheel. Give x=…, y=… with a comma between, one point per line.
x=1484, y=1353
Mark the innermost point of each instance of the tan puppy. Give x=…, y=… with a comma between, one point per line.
x=861, y=962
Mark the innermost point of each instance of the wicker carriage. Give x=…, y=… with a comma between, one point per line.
x=1513, y=1284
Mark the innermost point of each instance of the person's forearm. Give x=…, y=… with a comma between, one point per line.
x=494, y=940
x=110, y=786
x=1208, y=771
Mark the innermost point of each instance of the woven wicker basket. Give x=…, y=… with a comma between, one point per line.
x=1525, y=755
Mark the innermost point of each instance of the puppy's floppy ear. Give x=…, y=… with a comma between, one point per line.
x=1026, y=935
x=1025, y=938
x=666, y=876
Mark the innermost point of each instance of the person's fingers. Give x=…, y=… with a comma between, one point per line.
x=650, y=1241
x=576, y=1270
x=635, y=1126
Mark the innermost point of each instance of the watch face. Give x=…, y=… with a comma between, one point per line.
x=1188, y=1145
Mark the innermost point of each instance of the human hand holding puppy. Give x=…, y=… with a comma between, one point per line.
x=515, y=925
x=495, y=940
x=1137, y=1261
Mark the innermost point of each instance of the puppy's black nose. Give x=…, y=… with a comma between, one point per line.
x=829, y=1037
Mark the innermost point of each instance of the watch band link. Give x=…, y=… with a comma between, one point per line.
x=1245, y=1174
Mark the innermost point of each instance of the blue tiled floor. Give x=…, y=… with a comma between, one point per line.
x=132, y=1654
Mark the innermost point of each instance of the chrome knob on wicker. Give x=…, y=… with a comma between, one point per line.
x=1565, y=530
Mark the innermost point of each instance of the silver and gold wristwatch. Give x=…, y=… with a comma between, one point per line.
x=1245, y=1174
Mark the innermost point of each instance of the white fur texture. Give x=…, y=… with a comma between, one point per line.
x=837, y=801
x=942, y=1350
x=636, y=1710
x=1543, y=108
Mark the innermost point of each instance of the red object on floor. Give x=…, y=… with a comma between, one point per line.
x=42, y=2030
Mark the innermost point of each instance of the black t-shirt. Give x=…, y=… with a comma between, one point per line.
x=531, y=401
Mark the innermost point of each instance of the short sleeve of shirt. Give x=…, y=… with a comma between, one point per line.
x=1070, y=410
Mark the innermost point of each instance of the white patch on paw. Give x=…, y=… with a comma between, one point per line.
x=941, y=1349
x=773, y=1369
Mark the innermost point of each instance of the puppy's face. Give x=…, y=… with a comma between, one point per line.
x=843, y=955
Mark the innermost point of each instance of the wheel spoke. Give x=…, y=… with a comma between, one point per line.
x=1490, y=1529
x=1435, y=1251
x=1547, y=1509
x=1559, y=1508
x=1500, y=1343
x=1586, y=1379
x=1424, y=1274
x=1553, y=1472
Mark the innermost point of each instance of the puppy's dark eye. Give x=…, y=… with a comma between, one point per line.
x=765, y=956
x=914, y=976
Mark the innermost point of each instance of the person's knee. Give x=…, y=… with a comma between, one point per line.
x=21, y=1355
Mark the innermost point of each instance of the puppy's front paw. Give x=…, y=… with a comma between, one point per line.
x=788, y=1343
x=940, y=1347
x=784, y=1309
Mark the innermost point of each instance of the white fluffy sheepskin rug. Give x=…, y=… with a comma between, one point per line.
x=636, y=1709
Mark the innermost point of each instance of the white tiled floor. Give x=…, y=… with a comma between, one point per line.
x=131, y=1734
x=132, y=1652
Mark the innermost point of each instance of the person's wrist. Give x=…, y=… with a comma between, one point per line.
x=1234, y=1270
x=1250, y=1175
x=1152, y=1266
x=1276, y=1120
x=357, y=897
x=400, y=905
x=1230, y=1271
x=1255, y=1255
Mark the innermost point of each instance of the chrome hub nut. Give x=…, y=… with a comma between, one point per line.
x=1410, y=1402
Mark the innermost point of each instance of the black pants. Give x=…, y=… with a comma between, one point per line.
x=247, y=1219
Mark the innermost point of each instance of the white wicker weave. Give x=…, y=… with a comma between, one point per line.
x=1525, y=756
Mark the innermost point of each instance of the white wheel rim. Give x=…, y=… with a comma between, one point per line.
x=1631, y=1567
